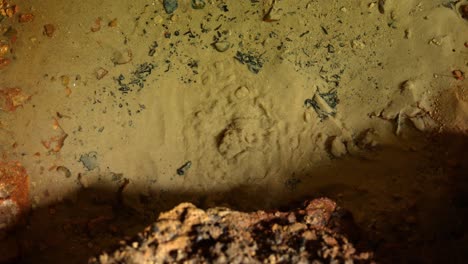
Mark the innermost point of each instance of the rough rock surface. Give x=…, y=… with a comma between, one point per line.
x=14, y=204
x=220, y=235
x=14, y=191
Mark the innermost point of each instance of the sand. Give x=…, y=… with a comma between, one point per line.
x=247, y=103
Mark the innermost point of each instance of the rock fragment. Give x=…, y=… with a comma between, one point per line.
x=124, y=57
x=273, y=12
x=222, y=46
x=459, y=75
x=65, y=171
x=112, y=23
x=170, y=6
x=101, y=73
x=242, y=92
x=382, y=6
x=89, y=160
x=7, y=10
x=198, y=4
x=337, y=148
x=55, y=143
x=49, y=30
x=12, y=98
x=97, y=25
x=25, y=18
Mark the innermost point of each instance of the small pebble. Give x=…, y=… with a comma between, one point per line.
x=382, y=6
x=49, y=30
x=357, y=44
x=273, y=14
x=459, y=75
x=65, y=80
x=170, y=6
x=408, y=34
x=337, y=148
x=101, y=73
x=113, y=23
x=198, y=4
x=97, y=25
x=222, y=46
x=4, y=49
x=242, y=92
x=24, y=18
x=407, y=85
x=89, y=160
x=65, y=171
x=120, y=57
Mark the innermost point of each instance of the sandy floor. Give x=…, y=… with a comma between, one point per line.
x=248, y=103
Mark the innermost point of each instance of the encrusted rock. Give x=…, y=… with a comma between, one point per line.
x=187, y=234
x=14, y=194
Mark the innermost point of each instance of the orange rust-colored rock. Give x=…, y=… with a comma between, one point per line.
x=4, y=49
x=12, y=98
x=113, y=23
x=55, y=143
x=27, y=17
x=97, y=25
x=4, y=62
x=14, y=193
x=459, y=75
x=7, y=9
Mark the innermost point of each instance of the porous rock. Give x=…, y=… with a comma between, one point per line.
x=187, y=234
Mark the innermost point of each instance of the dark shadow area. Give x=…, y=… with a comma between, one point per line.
x=409, y=209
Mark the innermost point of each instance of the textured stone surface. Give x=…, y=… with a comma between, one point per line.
x=220, y=235
x=14, y=193
x=14, y=204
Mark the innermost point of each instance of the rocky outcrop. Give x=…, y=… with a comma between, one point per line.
x=220, y=235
